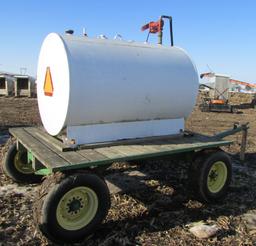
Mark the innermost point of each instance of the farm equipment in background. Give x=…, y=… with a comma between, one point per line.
x=219, y=102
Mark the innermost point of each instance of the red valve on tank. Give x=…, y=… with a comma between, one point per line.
x=153, y=26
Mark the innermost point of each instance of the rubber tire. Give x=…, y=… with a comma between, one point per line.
x=234, y=110
x=48, y=223
x=204, y=107
x=199, y=173
x=11, y=171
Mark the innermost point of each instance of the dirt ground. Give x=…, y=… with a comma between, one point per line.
x=163, y=209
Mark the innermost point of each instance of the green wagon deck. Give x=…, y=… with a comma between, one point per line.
x=56, y=156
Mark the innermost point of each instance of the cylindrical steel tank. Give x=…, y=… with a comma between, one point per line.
x=96, y=81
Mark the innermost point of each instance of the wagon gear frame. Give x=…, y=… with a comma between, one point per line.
x=74, y=198
x=45, y=151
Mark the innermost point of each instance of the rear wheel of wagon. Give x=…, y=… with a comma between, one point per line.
x=17, y=167
x=72, y=208
x=211, y=176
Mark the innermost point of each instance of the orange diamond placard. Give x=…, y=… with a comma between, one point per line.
x=48, y=85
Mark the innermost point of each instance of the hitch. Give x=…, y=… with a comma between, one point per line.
x=237, y=128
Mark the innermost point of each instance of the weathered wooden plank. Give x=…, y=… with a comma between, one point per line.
x=92, y=155
x=174, y=147
x=128, y=141
x=73, y=157
x=149, y=148
x=110, y=152
x=45, y=155
x=40, y=133
x=128, y=150
x=138, y=148
x=70, y=156
x=160, y=147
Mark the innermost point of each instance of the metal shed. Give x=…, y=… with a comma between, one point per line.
x=221, y=85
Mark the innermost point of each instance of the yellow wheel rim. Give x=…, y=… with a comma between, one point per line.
x=21, y=163
x=77, y=208
x=217, y=177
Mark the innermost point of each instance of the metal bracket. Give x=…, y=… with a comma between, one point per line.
x=237, y=128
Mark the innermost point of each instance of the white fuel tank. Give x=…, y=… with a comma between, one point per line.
x=84, y=81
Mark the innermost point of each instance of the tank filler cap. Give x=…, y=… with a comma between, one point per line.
x=102, y=36
x=69, y=32
x=118, y=37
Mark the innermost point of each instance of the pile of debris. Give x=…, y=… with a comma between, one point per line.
x=236, y=98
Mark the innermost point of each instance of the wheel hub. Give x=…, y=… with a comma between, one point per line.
x=21, y=163
x=217, y=177
x=213, y=175
x=77, y=208
x=75, y=205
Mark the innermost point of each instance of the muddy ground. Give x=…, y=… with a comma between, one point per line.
x=162, y=210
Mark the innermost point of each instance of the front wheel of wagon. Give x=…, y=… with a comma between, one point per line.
x=17, y=167
x=211, y=176
x=73, y=208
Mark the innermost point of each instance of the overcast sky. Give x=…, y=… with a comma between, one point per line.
x=218, y=34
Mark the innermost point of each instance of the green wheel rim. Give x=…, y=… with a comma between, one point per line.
x=217, y=177
x=77, y=208
x=21, y=163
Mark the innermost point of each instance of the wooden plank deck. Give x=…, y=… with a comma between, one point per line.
x=44, y=154
x=53, y=154
x=41, y=133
